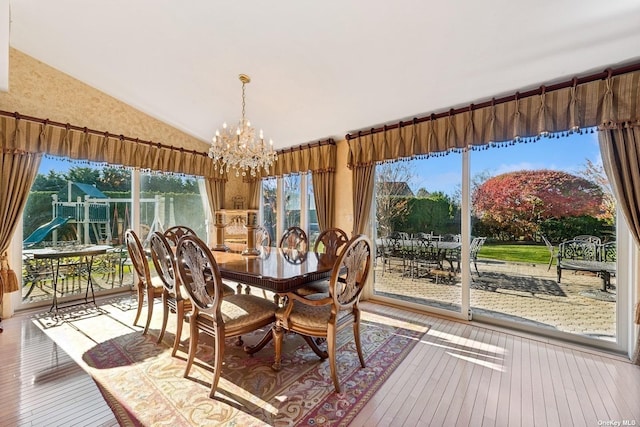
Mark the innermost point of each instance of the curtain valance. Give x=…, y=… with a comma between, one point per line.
x=315, y=157
x=33, y=137
x=603, y=102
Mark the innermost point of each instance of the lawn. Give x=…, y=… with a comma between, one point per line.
x=535, y=254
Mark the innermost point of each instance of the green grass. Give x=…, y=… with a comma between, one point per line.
x=535, y=254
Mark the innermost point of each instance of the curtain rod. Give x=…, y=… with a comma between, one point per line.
x=607, y=73
x=301, y=147
x=17, y=116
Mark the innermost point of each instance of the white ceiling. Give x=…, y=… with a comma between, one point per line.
x=324, y=68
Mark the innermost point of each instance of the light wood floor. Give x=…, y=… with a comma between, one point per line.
x=458, y=374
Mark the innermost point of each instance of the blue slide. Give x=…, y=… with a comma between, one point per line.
x=41, y=232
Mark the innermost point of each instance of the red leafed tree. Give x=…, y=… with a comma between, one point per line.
x=516, y=202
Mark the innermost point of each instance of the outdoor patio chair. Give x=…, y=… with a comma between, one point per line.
x=425, y=257
x=588, y=238
x=151, y=287
x=474, y=248
x=325, y=317
x=550, y=248
x=211, y=312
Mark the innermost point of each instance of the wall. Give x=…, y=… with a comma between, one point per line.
x=38, y=90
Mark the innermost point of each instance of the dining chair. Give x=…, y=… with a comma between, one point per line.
x=325, y=317
x=330, y=241
x=263, y=238
x=172, y=299
x=150, y=286
x=173, y=234
x=211, y=313
x=294, y=238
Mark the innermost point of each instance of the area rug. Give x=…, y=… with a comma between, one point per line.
x=144, y=385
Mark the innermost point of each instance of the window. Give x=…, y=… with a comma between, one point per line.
x=286, y=202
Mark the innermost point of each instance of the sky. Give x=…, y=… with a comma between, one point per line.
x=567, y=154
x=443, y=174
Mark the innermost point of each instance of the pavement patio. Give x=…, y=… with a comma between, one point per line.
x=520, y=292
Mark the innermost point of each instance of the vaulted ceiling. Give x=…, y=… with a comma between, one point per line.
x=320, y=69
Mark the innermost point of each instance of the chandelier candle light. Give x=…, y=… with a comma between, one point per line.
x=240, y=149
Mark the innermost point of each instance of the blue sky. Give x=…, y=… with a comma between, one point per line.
x=567, y=154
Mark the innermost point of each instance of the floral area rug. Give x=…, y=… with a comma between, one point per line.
x=144, y=385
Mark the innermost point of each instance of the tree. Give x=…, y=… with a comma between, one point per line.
x=83, y=175
x=390, y=207
x=595, y=173
x=516, y=202
x=53, y=181
x=115, y=179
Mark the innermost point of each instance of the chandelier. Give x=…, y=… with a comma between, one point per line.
x=239, y=149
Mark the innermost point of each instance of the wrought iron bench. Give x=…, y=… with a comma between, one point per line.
x=583, y=255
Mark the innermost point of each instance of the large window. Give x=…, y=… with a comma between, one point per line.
x=526, y=208
x=73, y=206
x=287, y=202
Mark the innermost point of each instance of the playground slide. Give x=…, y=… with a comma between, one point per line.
x=41, y=232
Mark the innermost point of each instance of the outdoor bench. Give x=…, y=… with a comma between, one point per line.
x=581, y=255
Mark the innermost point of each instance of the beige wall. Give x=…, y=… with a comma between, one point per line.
x=344, y=195
x=38, y=90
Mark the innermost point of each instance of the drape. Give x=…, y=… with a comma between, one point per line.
x=215, y=193
x=620, y=148
x=362, y=197
x=324, y=196
x=67, y=142
x=254, y=193
x=611, y=100
x=17, y=172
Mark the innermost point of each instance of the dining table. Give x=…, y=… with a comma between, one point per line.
x=278, y=270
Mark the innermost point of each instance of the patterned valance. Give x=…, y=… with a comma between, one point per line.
x=603, y=102
x=35, y=137
x=315, y=157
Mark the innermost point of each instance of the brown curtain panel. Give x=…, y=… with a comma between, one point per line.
x=215, y=193
x=323, y=193
x=362, y=197
x=42, y=138
x=17, y=172
x=612, y=100
x=620, y=148
x=254, y=193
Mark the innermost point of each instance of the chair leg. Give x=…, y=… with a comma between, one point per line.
x=219, y=357
x=165, y=315
x=150, y=301
x=193, y=346
x=331, y=349
x=356, y=337
x=180, y=322
x=140, y=301
x=277, y=344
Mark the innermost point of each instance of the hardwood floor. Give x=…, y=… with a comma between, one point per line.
x=40, y=385
x=458, y=374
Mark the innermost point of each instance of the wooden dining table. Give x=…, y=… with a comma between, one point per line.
x=275, y=269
